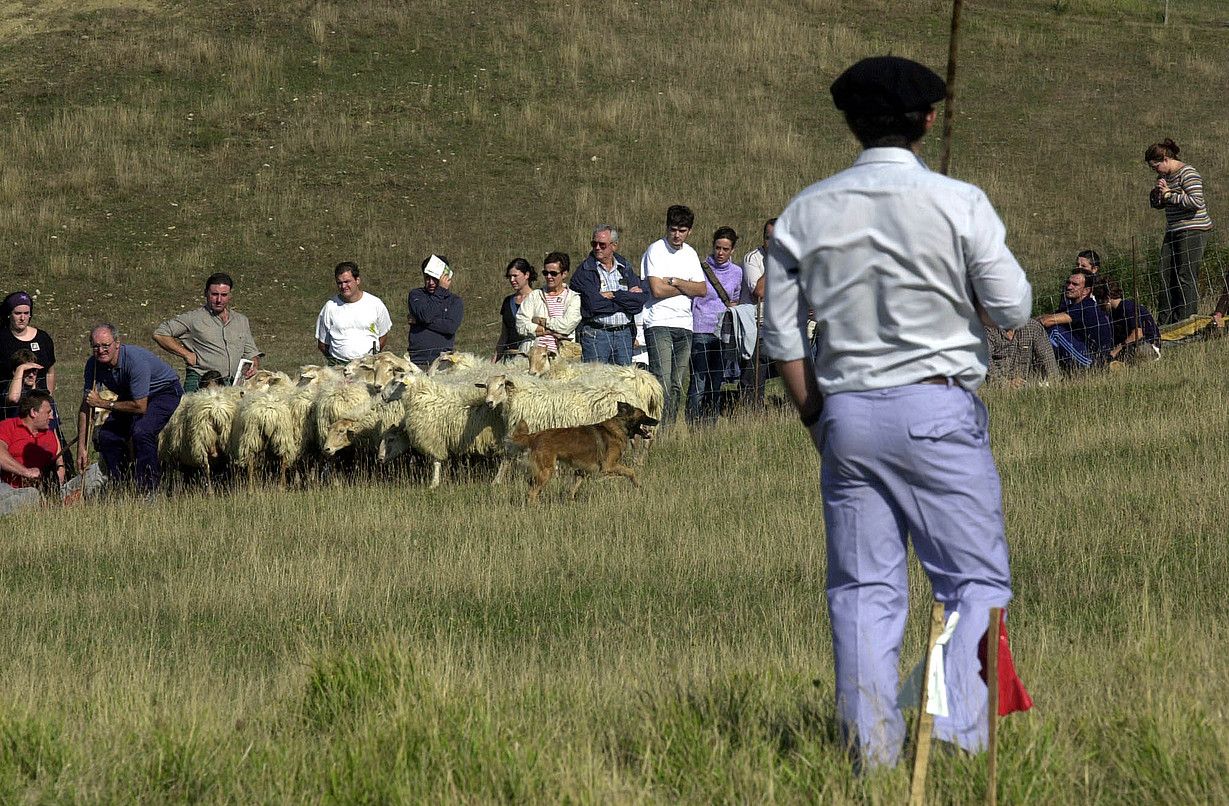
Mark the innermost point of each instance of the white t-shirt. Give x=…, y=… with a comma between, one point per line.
x=660, y=260
x=753, y=270
x=351, y=328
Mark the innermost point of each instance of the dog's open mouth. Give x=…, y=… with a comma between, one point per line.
x=645, y=430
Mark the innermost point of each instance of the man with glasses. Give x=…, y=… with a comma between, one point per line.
x=610, y=298
x=672, y=270
x=147, y=393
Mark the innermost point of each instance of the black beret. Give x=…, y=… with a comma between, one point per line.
x=883, y=85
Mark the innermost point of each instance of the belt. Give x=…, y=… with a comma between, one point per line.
x=938, y=380
x=609, y=328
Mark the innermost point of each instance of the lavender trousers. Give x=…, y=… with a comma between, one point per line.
x=908, y=461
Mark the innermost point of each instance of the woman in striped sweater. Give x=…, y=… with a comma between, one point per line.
x=1179, y=192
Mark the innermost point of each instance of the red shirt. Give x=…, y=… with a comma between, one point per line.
x=32, y=450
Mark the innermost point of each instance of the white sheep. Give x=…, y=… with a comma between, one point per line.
x=442, y=421
x=379, y=369
x=271, y=425
x=640, y=388
x=453, y=361
x=198, y=431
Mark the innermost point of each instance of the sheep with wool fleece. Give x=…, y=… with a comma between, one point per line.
x=347, y=400
x=271, y=424
x=543, y=404
x=442, y=421
x=199, y=429
x=642, y=388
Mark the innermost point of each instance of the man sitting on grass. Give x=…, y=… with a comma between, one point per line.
x=30, y=452
x=1080, y=332
x=1136, y=335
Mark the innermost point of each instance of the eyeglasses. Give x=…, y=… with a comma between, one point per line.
x=101, y=348
x=599, y=244
x=551, y=273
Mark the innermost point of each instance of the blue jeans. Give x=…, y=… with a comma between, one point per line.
x=704, y=393
x=670, y=363
x=607, y=346
x=141, y=431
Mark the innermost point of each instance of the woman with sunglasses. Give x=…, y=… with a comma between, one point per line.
x=520, y=275
x=1179, y=192
x=17, y=310
x=550, y=314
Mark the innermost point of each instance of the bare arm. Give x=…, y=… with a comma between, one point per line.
x=15, y=467
x=1052, y=319
x=122, y=406
x=803, y=389
x=51, y=380
x=83, y=449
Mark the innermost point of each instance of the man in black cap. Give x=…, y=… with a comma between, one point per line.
x=895, y=261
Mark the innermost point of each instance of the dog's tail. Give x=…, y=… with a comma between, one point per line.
x=520, y=435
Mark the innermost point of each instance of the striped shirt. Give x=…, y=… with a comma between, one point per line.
x=554, y=309
x=1184, y=204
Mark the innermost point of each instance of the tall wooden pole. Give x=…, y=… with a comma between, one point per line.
x=925, y=722
x=949, y=103
x=992, y=705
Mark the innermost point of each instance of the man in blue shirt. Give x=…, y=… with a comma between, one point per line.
x=147, y=393
x=610, y=297
x=1136, y=335
x=435, y=313
x=1080, y=332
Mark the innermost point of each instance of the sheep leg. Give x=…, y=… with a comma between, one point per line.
x=437, y=468
x=501, y=474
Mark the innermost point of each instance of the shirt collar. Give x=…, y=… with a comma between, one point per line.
x=899, y=156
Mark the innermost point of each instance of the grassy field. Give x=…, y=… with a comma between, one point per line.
x=379, y=642
x=375, y=642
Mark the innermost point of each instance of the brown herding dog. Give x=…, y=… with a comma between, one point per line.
x=589, y=449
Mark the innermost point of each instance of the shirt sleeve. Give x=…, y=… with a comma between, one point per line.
x=524, y=317
x=997, y=278
x=174, y=327
x=138, y=379
x=785, y=306
x=1189, y=193
x=384, y=322
x=322, y=330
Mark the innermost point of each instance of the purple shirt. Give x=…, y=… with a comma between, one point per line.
x=706, y=310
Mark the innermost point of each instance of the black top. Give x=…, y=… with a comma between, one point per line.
x=42, y=347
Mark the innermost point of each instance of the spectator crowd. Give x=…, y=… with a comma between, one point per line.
x=692, y=321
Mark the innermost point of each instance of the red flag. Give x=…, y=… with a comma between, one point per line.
x=1012, y=695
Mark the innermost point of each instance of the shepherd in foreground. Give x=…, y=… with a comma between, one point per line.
x=893, y=260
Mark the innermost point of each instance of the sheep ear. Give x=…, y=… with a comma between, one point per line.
x=374, y=389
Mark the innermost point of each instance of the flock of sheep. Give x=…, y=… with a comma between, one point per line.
x=381, y=406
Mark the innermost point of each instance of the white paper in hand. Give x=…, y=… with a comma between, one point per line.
x=435, y=267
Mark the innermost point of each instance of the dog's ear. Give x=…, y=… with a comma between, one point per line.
x=625, y=408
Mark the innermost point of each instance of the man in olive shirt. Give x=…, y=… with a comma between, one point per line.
x=210, y=337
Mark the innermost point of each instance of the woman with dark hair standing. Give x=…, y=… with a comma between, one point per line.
x=520, y=275
x=18, y=334
x=1179, y=192
x=707, y=315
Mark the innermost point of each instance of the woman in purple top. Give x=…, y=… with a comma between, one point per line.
x=708, y=314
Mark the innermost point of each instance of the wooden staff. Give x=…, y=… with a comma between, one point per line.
x=992, y=704
x=949, y=103
x=925, y=721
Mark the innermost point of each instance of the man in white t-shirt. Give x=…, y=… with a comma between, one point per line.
x=353, y=323
x=672, y=270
